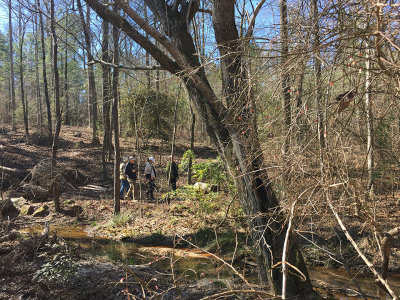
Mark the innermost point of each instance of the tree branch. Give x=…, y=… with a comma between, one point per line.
x=252, y=22
x=102, y=62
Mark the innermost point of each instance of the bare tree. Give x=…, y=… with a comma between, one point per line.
x=231, y=127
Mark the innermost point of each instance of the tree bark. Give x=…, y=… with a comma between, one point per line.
x=45, y=84
x=12, y=79
x=57, y=105
x=90, y=69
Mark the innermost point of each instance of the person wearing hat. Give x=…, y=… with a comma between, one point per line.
x=122, y=177
x=130, y=172
x=150, y=174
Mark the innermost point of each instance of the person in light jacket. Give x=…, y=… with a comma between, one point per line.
x=150, y=174
x=122, y=176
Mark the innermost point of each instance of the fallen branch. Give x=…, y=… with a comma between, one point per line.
x=249, y=292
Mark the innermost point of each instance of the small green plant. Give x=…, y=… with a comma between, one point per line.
x=122, y=220
x=210, y=202
x=59, y=267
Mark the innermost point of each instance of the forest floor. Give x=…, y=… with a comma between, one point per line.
x=216, y=226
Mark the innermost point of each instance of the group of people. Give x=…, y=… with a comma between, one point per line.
x=128, y=175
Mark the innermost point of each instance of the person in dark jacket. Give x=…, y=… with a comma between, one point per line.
x=174, y=175
x=131, y=175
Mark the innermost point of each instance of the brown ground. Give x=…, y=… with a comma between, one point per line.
x=180, y=218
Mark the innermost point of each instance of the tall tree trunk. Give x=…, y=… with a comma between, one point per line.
x=57, y=105
x=173, y=138
x=45, y=84
x=67, y=118
x=38, y=95
x=285, y=78
x=115, y=89
x=12, y=79
x=318, y=74
x=370, y=124
x=189, y=176
x=107, y=145
x=90, y=68
x=21, y=29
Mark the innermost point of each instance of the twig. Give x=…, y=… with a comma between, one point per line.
x=220, y=259
x=360, y=253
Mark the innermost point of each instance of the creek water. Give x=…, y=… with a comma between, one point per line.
x=197, y=265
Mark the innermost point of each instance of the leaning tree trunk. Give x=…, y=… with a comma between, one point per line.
x=57, y=104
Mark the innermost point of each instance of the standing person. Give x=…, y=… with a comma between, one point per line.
x=122, y=176
x=131, y=174
x=150, y=174
x=174, y=174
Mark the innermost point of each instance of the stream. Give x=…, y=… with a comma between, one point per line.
x=196, y=265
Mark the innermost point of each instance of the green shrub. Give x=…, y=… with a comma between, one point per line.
x=211, y=171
